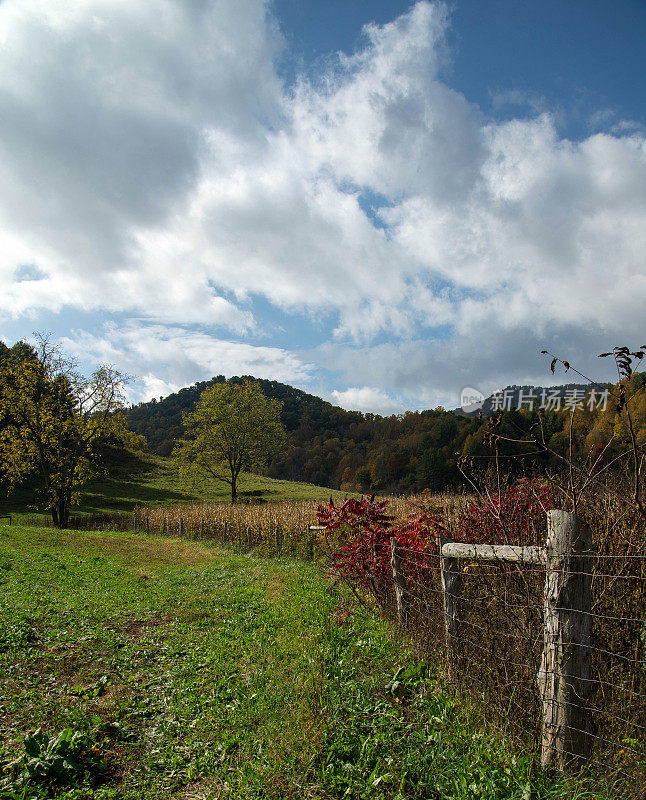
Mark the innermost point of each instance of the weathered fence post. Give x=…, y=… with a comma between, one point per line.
x=134, y=521
x=564, y=675
x=248, y=538
x=224, y=535
x=396, y=558
x=311, y=542
x=181, y=527
x=278, y=538
x=451, y=581
x=201, y=527
x=147, y=524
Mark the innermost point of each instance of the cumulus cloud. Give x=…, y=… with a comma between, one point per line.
x=428, y=373
x=105, y=105
x=154, y=164
x=180, y=357
x=379, y=122
x=367, y=398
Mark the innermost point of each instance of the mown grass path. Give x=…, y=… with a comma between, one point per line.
x=193, y=672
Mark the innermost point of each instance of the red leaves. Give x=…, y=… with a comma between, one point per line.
x=517, y=516
x=354, y=513
x=359, y=533
x=359, y=536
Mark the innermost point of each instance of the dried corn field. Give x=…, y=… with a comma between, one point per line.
x=282, y=526
x=271, y=526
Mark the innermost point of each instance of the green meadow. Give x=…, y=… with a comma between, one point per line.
x=134, y=667
x=135, y=479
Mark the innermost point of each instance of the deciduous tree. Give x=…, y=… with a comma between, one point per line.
x=233, y=428
x=51, y=419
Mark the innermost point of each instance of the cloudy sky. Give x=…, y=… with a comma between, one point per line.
x=377, y=202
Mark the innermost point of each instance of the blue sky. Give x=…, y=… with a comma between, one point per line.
x=577, y=58
x=378, y=202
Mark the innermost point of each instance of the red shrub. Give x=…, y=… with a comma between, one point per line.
x=359, y=534
x=515, y=516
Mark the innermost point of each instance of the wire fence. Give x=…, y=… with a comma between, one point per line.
x=491, y=627
x=269, y=528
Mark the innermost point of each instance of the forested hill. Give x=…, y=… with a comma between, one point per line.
x=328, y=445
x=161, y=421
x=352, y=451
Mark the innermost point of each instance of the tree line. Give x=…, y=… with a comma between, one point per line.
x=358, y=452
x=54, y=423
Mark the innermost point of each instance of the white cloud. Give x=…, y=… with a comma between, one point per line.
x=151, y=386
x=367, y=398
x=180, y=357
x=105, y=105
x=503, y=223
x=152, y=163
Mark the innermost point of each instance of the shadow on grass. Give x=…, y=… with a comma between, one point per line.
x=110, y=495
x=134, y=479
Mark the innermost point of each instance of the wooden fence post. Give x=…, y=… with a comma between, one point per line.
x=451, y=581
x=164, y=524
x=396, y=558
x=201, y=527
x=181, y=527
x=147, y=524
x=278, y=538
x=311, y=542
x=248, y=538
x=565, y=671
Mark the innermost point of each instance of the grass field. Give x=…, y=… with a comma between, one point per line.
x=137, y=479
x=178, y=670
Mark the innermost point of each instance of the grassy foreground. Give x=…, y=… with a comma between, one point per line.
x=178, y=670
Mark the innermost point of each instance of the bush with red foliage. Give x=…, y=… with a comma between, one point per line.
x=516, y=515
x=359, y=533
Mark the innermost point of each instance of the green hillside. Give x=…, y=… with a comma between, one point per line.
x=410, y=452
x=135, y=478
x=328, y=446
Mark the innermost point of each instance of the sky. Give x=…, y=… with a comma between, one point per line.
x=378, y=202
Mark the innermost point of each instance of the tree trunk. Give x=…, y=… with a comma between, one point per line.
x=62, y=513
x=234, y=489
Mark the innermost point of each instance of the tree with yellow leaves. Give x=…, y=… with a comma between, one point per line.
x=234, y=427
x=51, y=421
